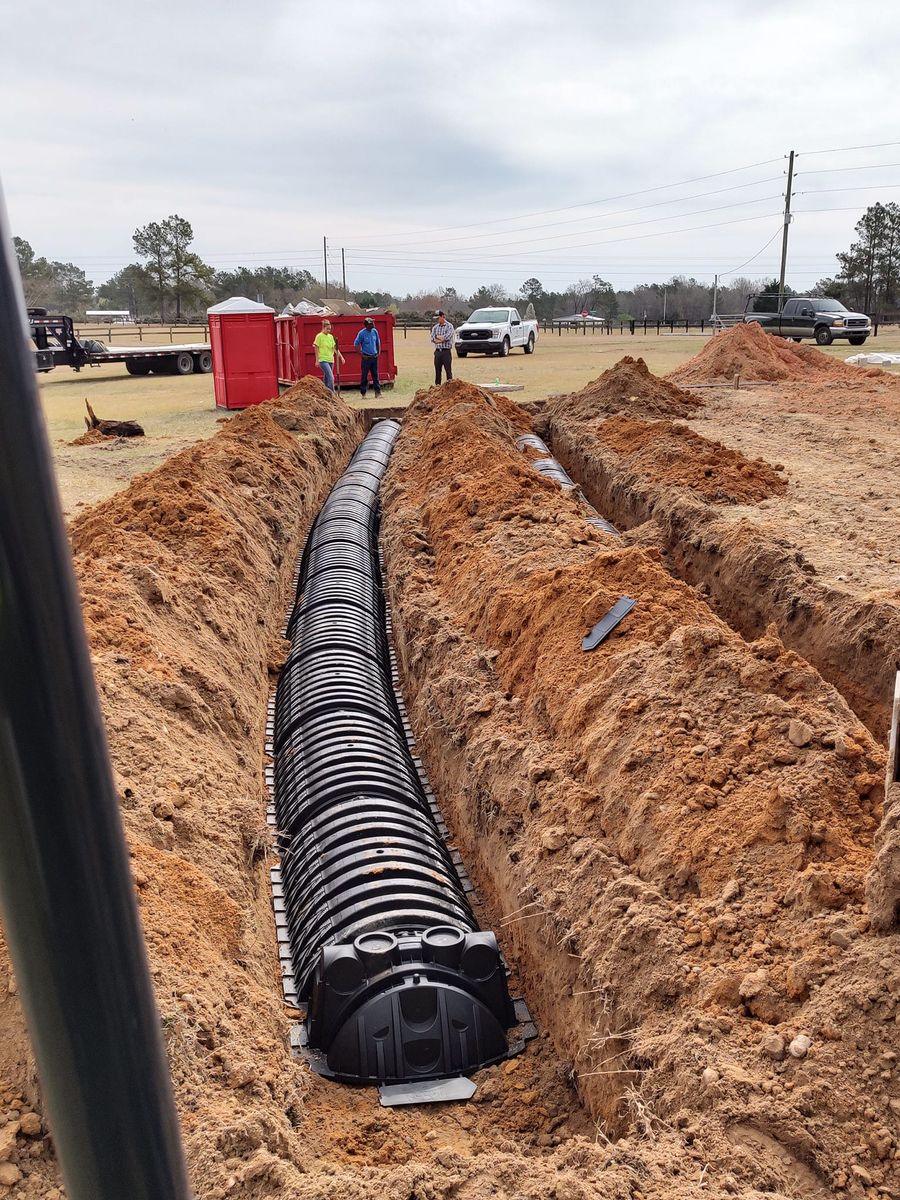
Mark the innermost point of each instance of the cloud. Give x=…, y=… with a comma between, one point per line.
x=372, y=124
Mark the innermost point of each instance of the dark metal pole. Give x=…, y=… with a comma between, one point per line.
x=66, y=895
x=325, y=261
x=344, y=271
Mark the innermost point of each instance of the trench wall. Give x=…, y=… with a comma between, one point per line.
x=675, y=871
x=752, y=581
x=184, y=579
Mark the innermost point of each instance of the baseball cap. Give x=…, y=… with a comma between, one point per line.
x=369, y=321
x=440, y=312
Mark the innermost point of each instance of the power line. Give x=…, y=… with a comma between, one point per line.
x=619, y=212
x=735, y=270
x=583, y=204
x=845, y=149
x=867, y=167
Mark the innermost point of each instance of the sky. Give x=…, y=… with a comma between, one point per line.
x=452, y=144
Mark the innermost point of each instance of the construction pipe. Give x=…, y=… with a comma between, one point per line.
x=66, y=896
x=400, y=983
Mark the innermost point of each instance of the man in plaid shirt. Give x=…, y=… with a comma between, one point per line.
x=442, y=335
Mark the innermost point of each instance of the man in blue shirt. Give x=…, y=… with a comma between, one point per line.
x=368, y=343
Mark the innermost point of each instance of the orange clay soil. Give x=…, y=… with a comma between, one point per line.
x=748, y=351
x=816, y=557
x=185, y=577
x=672, y=454
x=629, y=387
x=677, y=826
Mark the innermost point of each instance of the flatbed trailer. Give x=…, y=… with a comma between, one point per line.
x=161, y=360
x=57, y=346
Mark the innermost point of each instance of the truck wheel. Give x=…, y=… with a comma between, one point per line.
x=461, y=353
x=504, y=349
x=203, y=362
x=137, y=366
x=184, y=363
x=858, y=341
x=529, y=345
x=823, y=336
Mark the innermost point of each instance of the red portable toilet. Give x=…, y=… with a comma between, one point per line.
x=242, y=337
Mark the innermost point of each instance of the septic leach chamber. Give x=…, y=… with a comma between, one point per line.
x=400, y=983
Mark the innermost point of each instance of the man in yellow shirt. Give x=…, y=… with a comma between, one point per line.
x=326, y=347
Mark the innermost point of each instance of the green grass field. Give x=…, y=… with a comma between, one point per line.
x=176, y=410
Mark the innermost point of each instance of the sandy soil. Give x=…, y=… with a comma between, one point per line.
x=821, y=560
x=672, y=836
x=688, y=816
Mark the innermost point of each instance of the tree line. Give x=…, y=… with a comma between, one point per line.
x=171, y=282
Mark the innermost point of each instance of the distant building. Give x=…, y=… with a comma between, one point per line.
x=109, y=316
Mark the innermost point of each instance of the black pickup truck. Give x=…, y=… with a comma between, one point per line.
x=816, y=317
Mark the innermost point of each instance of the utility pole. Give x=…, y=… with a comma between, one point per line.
x=325, y=261
x=344, y=271
x=787, y=221
x=665, y=298
x=715, y=295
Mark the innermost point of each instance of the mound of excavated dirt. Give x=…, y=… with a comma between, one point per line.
x=678, y=825
x=627, y=387
x=672, y=454
x=748, y=351
x=184, y=578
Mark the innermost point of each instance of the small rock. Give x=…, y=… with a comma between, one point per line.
x=9, y=1174
x=839, y=938
x=773, y=1045
x=799, y=733
x=752, y=984
x=8, y=1140
x=553, y=839
x=861, y=1174
x=710, y=1076
x=799, y=1047
x=30, y=1124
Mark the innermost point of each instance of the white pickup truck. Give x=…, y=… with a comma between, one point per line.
x=495, y=331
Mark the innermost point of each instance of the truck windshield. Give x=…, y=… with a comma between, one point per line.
x=826, y=305
x=488, y=316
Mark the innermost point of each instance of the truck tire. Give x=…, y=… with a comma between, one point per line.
x=203, y=362
x=163, y=366
x=529, y=345
x=504, y=349
x=184, y=363
x=858, y=341
x=823, y=336
x=137, y=366
x=461, y=353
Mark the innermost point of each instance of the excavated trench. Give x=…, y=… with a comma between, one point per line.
x=677, y=884
x=678, y=826
x=751, y=578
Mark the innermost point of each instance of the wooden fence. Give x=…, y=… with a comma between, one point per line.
x=156, y=334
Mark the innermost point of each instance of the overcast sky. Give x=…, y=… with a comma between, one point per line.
x=423, y=137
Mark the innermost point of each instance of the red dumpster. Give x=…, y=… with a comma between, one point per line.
x=242, y=337
x=296, y=357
